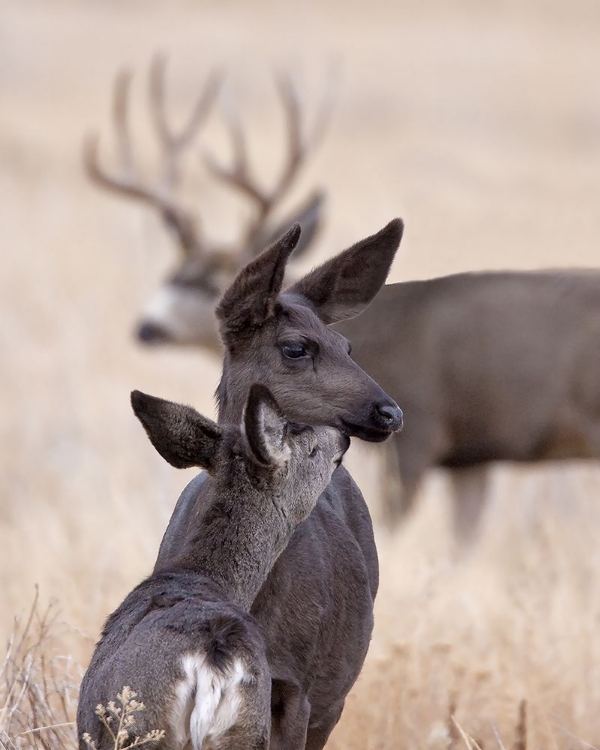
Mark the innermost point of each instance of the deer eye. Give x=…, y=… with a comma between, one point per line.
x=294, y=351
x=314, y=451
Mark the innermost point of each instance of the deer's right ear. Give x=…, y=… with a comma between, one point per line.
x=250, y=300
x=265, y=426
x=343, y=286
x=181, y=435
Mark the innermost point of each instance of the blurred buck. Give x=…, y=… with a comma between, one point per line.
x=183, y=639
x=487, y=366
x=182, y=311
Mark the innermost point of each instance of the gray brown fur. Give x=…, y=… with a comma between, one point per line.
x=488, y=367
x=316, y=607
x=265, y=480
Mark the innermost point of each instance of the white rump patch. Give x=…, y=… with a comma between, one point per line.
x=207, y=701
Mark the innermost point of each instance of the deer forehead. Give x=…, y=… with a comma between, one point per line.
x=301, y=320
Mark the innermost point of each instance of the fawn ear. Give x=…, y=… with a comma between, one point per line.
x=265, y=426
x=309, y=215
x=250, y=300
x=343, y=286
x=181, y=435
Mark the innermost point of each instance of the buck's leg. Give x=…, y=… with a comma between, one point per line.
x=316, y=737
x=409, y=454
x=468, y=503
x=290, y=711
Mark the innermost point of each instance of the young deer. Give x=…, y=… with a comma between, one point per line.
x=183, y=639
x=316, y=607
x=183, y=309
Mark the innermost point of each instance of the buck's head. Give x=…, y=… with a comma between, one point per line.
x=282, y=339
x=265, y=454
x=182, y=311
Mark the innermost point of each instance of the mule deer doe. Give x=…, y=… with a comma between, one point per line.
x=468, y=356
x=183, y=310
x=183, y=638
x=316, y=607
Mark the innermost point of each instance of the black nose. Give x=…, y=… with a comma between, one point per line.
x=151, y=333
x=390, y=415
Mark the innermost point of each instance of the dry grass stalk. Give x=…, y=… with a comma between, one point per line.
x=119, y=722
x=37, y=693
x=451, y=726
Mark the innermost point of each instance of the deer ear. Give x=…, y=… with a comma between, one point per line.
x=265, y=426
x=309, y=215
x=343, y=286
x=181, y=435
x=250, y=300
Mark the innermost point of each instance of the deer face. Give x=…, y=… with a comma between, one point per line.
x=282, y=340
x=291, y=464
x=183, y=310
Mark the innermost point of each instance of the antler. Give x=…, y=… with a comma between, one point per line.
x=240, y=176
x=128, y=180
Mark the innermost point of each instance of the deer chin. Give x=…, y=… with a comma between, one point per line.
x=368, y=433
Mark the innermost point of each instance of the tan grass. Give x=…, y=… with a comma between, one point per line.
x=38, y=687
x=480, y=124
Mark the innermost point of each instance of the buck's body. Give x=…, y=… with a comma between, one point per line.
x=177, y=629
x=487, y=366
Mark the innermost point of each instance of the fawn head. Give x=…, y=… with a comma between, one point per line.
x=265, y=454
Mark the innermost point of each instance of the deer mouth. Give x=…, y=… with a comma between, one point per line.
x=370, y=434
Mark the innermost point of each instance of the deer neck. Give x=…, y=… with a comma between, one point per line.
x=241, y=535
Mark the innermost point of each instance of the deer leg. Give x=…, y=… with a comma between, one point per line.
x=468, y=503
x=317, y=736
x=290, y=711
x=409, y=455
x=248, y=737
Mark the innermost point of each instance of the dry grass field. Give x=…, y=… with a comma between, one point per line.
x=480, y=125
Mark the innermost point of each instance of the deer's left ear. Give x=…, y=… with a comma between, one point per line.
x=343, y=286
x=250, y=300
x=181, y=435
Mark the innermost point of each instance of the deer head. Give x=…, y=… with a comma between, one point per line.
x=287, y=464
x=182, y=311
x=281, y=338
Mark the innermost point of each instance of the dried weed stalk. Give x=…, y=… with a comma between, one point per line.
x=119, y=722
x=37, y=693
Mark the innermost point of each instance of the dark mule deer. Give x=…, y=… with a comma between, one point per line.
x=183, y=309
x=315, y=608
x=183, y=639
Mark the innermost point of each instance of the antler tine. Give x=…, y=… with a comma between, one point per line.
x=299, y=142
x=174, y=143
x=121, y=121
x=238, y=175
x=127, y=180
x=296, y=144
